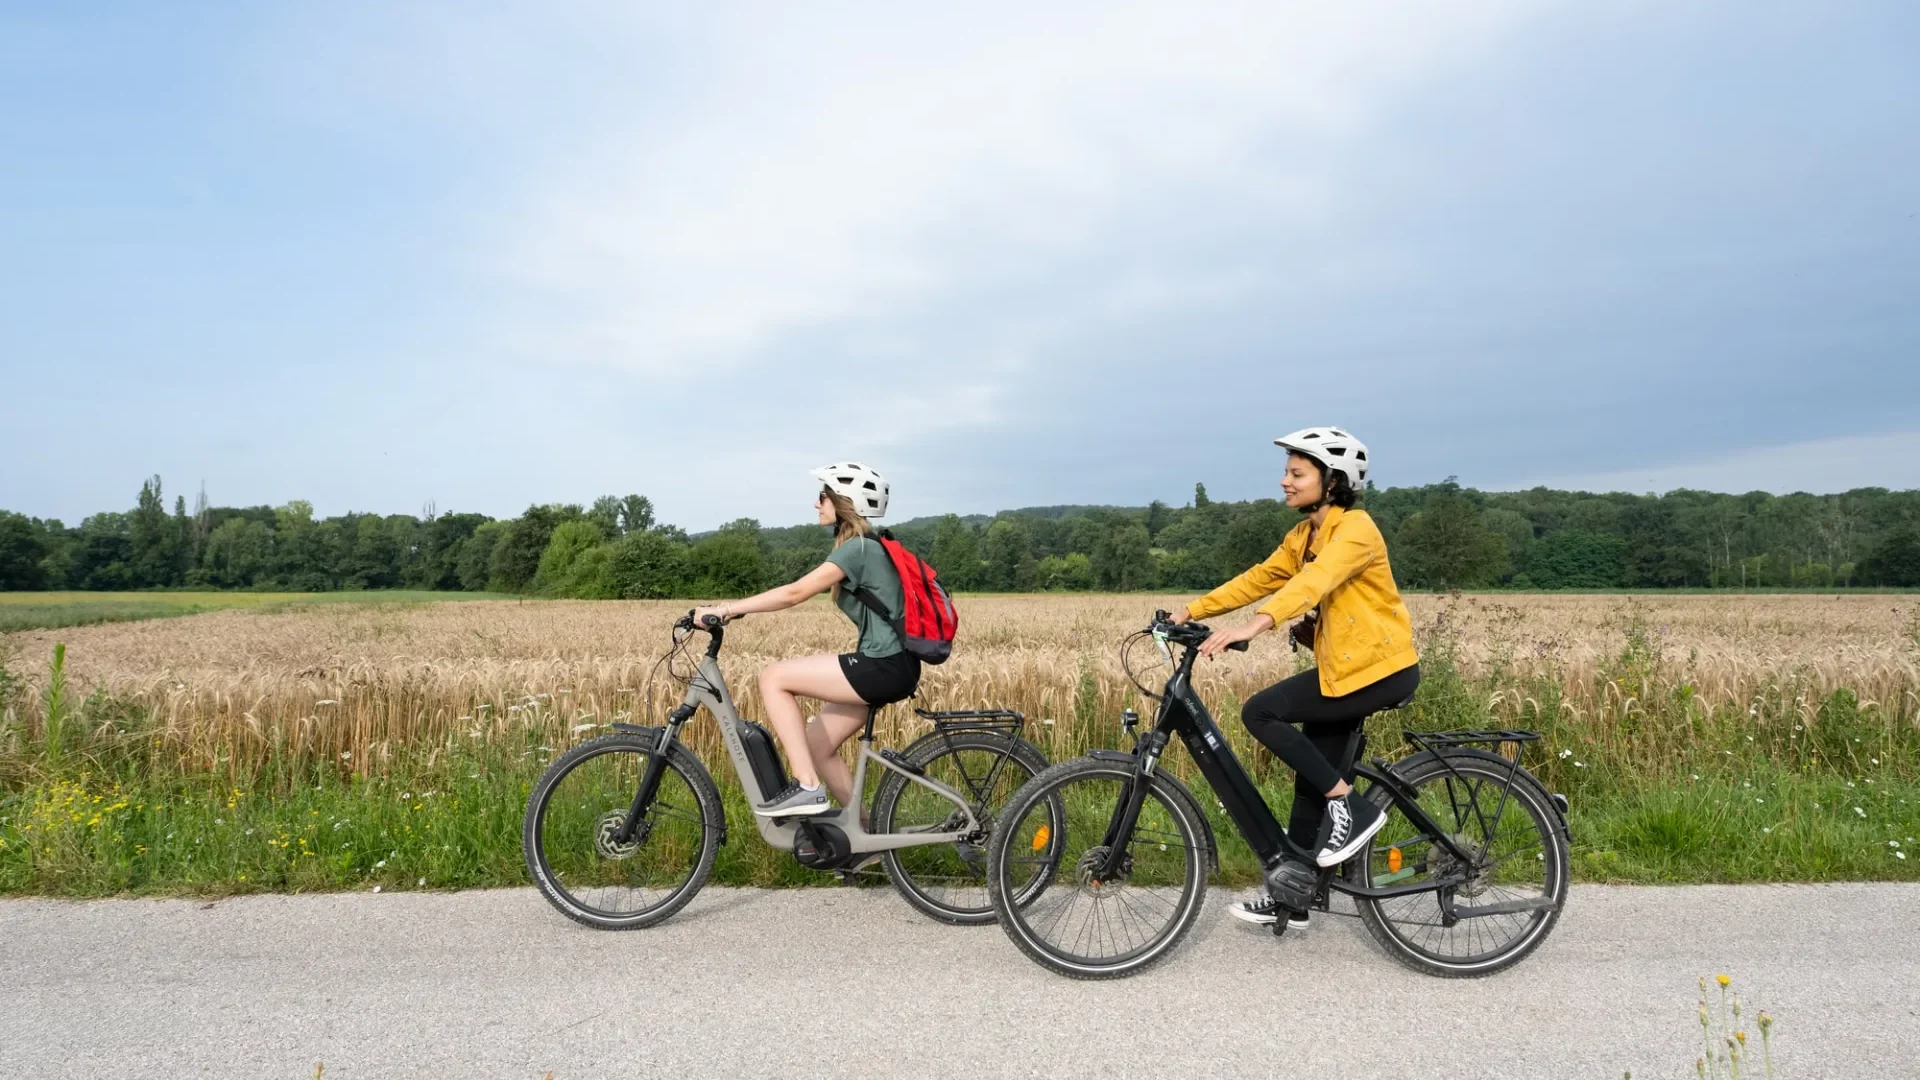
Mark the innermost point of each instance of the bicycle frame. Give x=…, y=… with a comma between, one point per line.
x=709, y=688
x=1182, y=714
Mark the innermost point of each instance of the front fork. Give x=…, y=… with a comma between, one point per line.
x=1126, y=812
x=650, y=780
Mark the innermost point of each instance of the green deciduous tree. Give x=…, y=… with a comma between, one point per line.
x=729, y=562
x=1010, y=565
x=1072, y=571
x=474, y=562
x=1895, y=560
x=22, y=546
x=239, y=551
x=648, y=565
x=516, y=557
x=956, y=554
x=1123, y=560
x=1445, y=545
x=150, y=554
x=558, y=575
x=1576, y=559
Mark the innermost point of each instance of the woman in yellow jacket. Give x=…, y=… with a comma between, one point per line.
x=1331, y=568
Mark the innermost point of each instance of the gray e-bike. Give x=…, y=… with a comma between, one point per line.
x=621, y=831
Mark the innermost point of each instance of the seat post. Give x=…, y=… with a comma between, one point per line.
x=1356, y=742
x=867, y=735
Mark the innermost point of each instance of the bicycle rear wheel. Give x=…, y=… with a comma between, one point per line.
x=570, y=834
x=1517, y=877
x=1044, y=863
x=949, y=881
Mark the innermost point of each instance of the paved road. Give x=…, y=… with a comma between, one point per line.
x=748, y=984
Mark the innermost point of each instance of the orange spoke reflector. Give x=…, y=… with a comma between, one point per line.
x=1393, y=860
x=1041, y=835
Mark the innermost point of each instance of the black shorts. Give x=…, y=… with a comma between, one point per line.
x=881, y=680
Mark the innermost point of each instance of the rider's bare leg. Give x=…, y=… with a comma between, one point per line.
x=817, y=677
x=834, y=725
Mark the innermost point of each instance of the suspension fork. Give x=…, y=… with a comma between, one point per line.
x=656, y=768
x=1126, y=812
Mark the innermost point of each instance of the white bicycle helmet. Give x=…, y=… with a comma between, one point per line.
x=1332, y=447
x=866, y=488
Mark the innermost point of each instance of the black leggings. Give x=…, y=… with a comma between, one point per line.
x=1321, y=739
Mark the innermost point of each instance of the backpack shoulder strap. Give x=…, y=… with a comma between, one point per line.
x=866, y=595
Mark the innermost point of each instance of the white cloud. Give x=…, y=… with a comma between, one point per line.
x=1820, y=466
x=833, y=168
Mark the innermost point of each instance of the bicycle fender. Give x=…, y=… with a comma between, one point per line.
x=1170, y=783
x=651, y=737
x=1522, y=774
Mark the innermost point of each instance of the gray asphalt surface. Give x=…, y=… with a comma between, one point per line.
x=846, y=982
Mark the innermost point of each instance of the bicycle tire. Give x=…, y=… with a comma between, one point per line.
x=909, y=869
x=1174, y=806
x=1527, y=795
x=711, y=826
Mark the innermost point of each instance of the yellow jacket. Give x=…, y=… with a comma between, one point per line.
x=1365, y=633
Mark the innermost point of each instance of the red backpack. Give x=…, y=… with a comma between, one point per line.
x=929, y=622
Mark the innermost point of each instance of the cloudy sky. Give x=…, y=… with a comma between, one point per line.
x=377, y=254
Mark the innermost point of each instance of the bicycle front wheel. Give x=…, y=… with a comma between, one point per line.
x=1515, y=879
x=1047, y=870
x=572, y=826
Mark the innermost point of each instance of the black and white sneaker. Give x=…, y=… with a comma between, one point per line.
x=1262, y=912
x=1266, y=911
x=1351, y=821
x=796, y=801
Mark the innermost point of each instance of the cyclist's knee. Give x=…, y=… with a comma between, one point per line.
x=773, y=677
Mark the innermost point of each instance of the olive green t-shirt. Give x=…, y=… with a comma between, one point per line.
x=866, y=563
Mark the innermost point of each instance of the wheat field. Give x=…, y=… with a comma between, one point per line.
x=1700, y=738
x=354, y=683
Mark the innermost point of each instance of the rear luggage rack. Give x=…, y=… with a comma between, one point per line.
x=967, y=719
x=1431, y=740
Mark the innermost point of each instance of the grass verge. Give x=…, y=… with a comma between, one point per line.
x=451, y=819
x=55, y=610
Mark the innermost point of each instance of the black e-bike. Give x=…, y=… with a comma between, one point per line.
x=1467, y=876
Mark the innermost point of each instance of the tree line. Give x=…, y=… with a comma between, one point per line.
x=1439, y=535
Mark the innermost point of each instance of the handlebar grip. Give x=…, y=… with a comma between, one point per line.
x=711, y=622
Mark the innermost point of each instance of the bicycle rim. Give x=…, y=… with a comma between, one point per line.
x=582, y=863
x=1050, y=852
x=1519, y=857
x=951, y=879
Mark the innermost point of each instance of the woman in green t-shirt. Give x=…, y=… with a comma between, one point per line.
x=879, y=671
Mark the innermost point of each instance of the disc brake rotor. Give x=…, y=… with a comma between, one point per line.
x=608, y=827
x=1086, y=871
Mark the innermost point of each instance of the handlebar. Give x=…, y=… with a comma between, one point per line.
x=714, y=625
x=1190, y=634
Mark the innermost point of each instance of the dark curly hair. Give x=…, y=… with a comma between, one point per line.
x=1335, y=488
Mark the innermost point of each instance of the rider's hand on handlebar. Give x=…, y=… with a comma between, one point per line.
x=1178, y=616
x=721, y=613
x=1220, y=640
